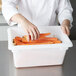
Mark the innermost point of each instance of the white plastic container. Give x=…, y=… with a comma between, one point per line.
x=39, y=55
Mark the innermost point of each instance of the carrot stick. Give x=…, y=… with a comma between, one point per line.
x=38, y=43
x=24, y=40
x=32, y=43
x=25, y=37
x=18, y=38
x=51, y=38
x=41, y=36
x=20, y=43
x=42, y=40
x=17, y=42
x=38, y=40
x=56, y=41
x=44, y=34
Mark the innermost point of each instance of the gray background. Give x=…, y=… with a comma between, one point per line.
x=73, y=30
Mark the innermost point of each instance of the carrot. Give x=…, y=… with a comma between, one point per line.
x=18, y=38
x=58, y=41
x=17, y=42
x=25, y=37
x=41, y=36
x=53, y=39
x=20, y=43
x=38, y=43
x=44, y=34
x=42, y=40
x=32, y=43
x=38, y=40
x=49, y=38
x=24, y=40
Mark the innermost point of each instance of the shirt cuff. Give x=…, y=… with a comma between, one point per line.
x=62, y=18
x=9, y=13
x=11, y=23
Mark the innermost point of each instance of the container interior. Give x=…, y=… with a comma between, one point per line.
x=54, y=30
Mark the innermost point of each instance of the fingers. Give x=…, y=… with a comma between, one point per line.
x=27, y=33
x=66, y=30
x=37, y=32
x=34, y=33
x=31, y=30
x=31, y=34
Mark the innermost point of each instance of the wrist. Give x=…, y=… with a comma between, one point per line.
x=66, y=23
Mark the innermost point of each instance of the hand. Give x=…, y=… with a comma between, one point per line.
x=30, y=29
x=66, y=29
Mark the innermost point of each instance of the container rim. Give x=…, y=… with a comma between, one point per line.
x=61, y=45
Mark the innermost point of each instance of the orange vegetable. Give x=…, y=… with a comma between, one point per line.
x=38, y=40
x=50, y=38
x=17, y=42
x=20, y=43
x=42, y=40
x=24, y=40
x=25, y=37
x=44, y=34
x=34, y=43
x=56, y=41
x=18, y=38
x=41, y=36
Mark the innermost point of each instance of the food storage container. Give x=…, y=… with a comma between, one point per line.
x=39, y=55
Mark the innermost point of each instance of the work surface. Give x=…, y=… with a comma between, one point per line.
x=7, y=68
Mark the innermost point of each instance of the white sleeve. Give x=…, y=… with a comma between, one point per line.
x=65, y=11
x=9, y=10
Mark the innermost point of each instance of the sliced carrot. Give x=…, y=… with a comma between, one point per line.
x=32, y=43
x=44, y=34
x=17, y=42
x=38, y=43
x=42, y=40
x=25, y=37
x=41, y=36
x=38, y=40
x=20, y=43
x=58, y=41
x=51, y=38
x=24, y=40
x=18, y=38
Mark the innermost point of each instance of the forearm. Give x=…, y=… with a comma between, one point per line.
x=19, y=19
